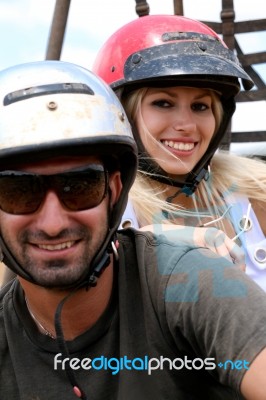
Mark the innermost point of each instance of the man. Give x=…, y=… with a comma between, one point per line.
x=114, y=315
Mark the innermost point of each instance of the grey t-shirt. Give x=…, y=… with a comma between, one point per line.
x=182, y=324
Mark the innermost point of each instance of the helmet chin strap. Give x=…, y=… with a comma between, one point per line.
x=188, y=186
x=105, y=260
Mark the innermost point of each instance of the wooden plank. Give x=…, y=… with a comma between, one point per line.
x=240, y=26
x=178, y=7
x=252, y=95
x=57, y=30
x=142, y=8
x=254, y=58
x=251, y=136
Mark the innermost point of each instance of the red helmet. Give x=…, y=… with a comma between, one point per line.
x=169, y=47
x=160, y=50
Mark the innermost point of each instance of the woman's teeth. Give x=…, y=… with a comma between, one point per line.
x=179, y=145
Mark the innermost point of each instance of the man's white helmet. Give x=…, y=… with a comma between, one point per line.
x=54, y=108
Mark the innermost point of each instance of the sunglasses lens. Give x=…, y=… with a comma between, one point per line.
x=81, y=190
x=20, y=194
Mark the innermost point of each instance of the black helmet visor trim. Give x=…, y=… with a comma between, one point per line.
x=206, y=61
x=44, y=90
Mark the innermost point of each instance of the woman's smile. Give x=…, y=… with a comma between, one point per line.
x=179, y=124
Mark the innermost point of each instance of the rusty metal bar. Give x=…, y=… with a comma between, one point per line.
x=228, y=26
x=228, y=31
x=57, y=30
x=178, y=7
x=240, y=137
x=142, y=8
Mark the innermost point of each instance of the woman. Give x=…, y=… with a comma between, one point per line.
x=178, y=81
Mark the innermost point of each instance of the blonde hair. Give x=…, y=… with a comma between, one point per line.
x=230, y=174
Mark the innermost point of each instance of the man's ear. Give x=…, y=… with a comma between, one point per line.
x=116, y=186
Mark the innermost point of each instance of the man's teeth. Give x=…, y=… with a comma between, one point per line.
x=53, y=247
x=179, y=145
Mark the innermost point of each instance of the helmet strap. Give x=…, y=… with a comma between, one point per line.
x=187, y=187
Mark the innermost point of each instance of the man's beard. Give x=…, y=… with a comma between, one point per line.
x=59, y=273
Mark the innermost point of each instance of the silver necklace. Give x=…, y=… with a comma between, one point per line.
x=41, y=327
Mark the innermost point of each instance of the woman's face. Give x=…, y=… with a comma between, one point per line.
x=176, y=125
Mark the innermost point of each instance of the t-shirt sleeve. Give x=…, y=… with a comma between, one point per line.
x=214, y=310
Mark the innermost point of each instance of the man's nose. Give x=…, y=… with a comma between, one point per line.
x=52, y=217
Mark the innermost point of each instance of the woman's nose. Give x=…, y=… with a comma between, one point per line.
x=183, y=121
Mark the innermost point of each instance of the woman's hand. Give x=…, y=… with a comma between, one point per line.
x=212, y=238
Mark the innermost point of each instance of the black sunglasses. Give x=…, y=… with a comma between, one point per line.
x=77, y=189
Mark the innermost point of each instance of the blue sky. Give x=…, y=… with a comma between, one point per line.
x=25, y=25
